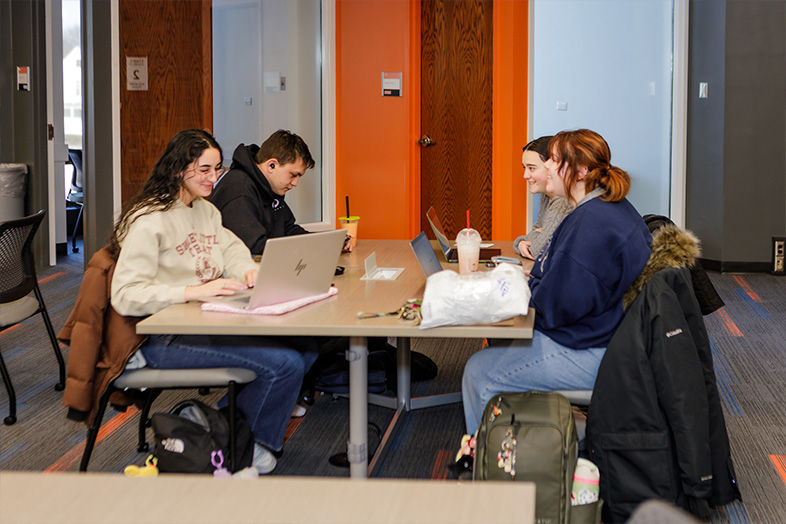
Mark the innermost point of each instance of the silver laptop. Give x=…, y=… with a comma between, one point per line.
x=292, y=267
x=451, y=252
x=427, y=259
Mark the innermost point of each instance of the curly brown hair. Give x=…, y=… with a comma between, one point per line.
x=162, y=187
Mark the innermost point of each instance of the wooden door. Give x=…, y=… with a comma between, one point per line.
x=456, y=104
x=175, y=38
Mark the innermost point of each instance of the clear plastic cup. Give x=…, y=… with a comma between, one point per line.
x=468, y=245
x=350, y=224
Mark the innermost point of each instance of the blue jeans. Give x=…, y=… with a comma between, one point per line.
x=266, y=402
x=523, y=365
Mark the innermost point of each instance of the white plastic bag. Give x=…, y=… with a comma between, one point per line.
x=483, y=297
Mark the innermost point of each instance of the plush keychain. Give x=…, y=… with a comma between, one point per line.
x=150, y=469
x=467, y=447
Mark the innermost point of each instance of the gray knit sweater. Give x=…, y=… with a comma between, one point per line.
x=550, y=215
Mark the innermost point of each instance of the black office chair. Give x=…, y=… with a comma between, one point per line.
x=20, y=297
x=75, y=194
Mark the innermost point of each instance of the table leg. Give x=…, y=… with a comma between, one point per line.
x=358, y=407
x=402, y=407
x=403, y=373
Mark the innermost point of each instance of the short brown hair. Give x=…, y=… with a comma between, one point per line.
x=286, y=147
x=585, y=148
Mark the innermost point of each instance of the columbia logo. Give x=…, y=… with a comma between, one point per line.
x=173, y=445
x=676, y=332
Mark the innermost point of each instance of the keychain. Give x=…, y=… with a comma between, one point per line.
x=217, y=459
x=409, y=312
x=150, y=469
x=506, y=457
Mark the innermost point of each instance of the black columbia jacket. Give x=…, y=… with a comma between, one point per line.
x=655, y=427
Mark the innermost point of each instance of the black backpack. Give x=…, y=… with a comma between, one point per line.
x=330, y=373
x=530, y=436
x=194, y=438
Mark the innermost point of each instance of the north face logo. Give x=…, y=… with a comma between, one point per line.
x=173, y=445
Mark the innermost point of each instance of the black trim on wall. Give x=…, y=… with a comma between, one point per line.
x=735, y=267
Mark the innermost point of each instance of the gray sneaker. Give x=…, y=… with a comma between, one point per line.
x=263, y=460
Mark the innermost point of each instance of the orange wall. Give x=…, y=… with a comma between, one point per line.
x=511, y=49
x=377, y=157
x=372, y=135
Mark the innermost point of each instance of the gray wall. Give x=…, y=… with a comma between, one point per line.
x=736, y=197
x=23, y=113
x=610, y=62
x=6, y=84
x=97, y=140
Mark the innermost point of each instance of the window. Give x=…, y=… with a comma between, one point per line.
x=267, y=75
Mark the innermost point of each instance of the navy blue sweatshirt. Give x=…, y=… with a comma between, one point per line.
x=578, y=282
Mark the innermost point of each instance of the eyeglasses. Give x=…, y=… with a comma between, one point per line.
x=206, y=171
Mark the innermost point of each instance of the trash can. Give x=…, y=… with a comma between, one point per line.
x=13, y=186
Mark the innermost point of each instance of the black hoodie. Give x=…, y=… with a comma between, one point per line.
x=248, y=206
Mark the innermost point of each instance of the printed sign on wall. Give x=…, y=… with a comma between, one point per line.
x=391, y=84
x=22, y=78
x=136, y=73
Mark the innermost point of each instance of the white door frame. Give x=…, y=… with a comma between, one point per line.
x=56, y=150
x=679, y=112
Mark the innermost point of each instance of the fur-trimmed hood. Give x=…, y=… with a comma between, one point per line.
x=671, y=247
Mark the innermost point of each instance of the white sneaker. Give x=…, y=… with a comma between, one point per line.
x=298, y=411
x=263, y=460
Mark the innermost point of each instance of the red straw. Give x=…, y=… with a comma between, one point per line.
x=467, y=218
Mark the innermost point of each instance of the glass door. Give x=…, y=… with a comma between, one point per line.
x=267, y=75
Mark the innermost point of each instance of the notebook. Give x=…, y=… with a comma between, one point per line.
x=292, y=267
x=451, y=253
x=427, y=259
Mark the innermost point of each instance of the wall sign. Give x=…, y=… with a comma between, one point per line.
x=391, y=84
x=136, y=73
x=22, y=78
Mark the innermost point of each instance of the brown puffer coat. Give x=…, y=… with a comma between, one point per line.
x=101, y=341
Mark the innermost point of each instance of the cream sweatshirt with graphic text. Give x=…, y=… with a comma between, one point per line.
x=166, y=251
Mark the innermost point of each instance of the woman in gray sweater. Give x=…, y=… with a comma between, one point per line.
x=552, y=209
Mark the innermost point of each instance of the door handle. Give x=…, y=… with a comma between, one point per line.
x=426, y=141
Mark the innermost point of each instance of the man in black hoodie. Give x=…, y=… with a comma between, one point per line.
x=250, y=195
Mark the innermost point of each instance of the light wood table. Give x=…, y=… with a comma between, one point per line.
x=100, y=498
x=337, y=316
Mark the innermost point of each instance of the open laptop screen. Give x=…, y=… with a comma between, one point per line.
x=451, y=253
x=436, y=226
x=427, y=259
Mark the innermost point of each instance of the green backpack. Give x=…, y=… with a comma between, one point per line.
x=530, y=436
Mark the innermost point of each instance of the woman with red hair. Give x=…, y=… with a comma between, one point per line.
x=577, y=283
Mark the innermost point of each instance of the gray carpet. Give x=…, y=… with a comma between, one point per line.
x=748, y=341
